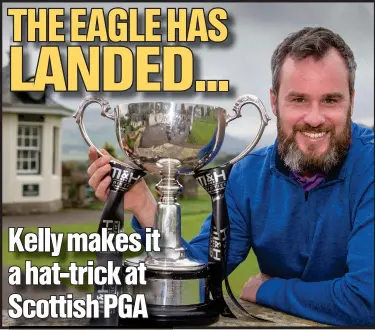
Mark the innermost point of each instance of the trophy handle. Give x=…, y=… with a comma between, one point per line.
x=78, y=115
x=240, y=102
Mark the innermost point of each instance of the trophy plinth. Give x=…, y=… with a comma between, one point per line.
x=171, y=139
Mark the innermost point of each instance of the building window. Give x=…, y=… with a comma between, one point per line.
x=29, y=142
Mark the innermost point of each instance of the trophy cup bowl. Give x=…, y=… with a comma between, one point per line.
x=172, y=139
x=156, y=135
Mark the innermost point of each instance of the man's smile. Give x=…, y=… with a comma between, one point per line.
x=314, y=135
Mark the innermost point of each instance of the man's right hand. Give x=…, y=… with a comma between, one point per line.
x=138, y=200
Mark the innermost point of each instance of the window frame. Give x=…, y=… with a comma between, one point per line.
x=31, y=126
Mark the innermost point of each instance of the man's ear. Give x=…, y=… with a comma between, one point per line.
x=273, y=100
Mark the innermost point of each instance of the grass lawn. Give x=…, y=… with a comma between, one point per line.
x=193, y=214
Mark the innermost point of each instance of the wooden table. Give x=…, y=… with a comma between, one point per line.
x=267, y=317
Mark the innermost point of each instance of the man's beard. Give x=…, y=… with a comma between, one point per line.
x=297, y=161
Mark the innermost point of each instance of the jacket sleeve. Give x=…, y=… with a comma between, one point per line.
x=239, y=242
x=345, y=301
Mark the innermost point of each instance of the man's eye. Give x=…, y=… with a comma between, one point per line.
x=330, y=101
x=299, y=100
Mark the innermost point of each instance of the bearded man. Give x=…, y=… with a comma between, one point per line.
x=305, y=204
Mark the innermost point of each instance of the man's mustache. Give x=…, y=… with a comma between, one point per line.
x=310, y=129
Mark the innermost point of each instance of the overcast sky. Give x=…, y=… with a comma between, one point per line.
x=256, y=29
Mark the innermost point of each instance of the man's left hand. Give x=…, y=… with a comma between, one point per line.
x=249, y=290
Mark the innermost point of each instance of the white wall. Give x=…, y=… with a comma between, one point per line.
x=49, y=184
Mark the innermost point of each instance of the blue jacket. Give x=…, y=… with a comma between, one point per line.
x=317, y=247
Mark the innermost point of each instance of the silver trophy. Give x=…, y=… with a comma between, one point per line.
x=172, y=139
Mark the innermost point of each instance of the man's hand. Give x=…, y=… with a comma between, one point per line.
x=139, y=199
x=249, y=290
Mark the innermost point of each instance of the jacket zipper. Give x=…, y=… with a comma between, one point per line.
x=306, y=195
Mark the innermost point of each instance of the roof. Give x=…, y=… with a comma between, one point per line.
x=19, y=102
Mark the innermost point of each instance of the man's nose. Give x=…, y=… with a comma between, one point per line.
x=314, y=117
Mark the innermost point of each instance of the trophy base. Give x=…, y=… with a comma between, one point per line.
x=175, y=297
x=175, y=316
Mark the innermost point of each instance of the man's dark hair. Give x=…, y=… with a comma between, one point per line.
x=316, y=42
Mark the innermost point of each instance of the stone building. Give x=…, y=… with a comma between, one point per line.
x=31, y=164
